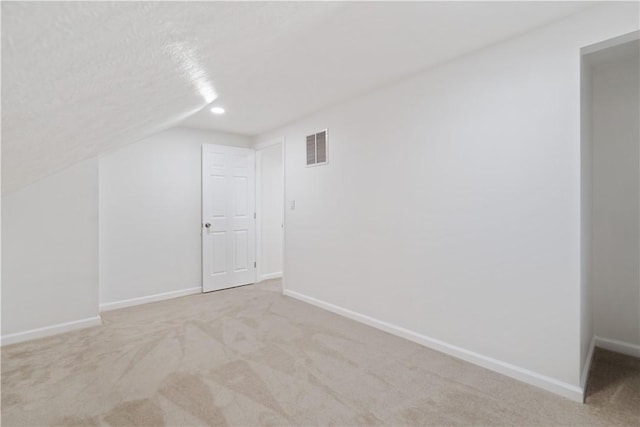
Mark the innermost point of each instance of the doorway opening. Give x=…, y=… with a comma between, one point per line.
x=270, y=211
x=610, y=210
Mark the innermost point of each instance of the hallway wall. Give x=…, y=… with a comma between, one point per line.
x=616, y=199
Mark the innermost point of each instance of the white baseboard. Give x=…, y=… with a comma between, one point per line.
x=618, y=346
x=151, y=298
x=584, y=377
x=269, y=276
x=553, y=385
x=50, y=330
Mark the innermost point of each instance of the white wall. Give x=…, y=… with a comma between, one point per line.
x=586, y=177
x=451, y=204
x=616, y=190
x=150, y=214
x=271, y=203
x=50, y=251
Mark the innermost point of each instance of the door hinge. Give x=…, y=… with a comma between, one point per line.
x=254, y=264
x=254, y=215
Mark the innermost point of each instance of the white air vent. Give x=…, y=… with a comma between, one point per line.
x=317, y=149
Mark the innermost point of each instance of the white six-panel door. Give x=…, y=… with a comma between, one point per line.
x=228, y=217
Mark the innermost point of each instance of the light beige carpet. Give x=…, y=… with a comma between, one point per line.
x=249, y=356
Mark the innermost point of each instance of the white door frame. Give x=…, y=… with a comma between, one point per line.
x=259, y=255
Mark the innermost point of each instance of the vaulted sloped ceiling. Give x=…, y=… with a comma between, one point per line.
x=84, y=78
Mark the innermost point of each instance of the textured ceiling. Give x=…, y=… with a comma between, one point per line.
x=83, y=78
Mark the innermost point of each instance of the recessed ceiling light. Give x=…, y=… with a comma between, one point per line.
x=217, y=110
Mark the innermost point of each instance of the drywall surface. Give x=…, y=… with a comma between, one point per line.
x=450, y=206
x=150, y=209
x=271, y=201
x=616, y=220
x=50, y=251
x=586, y=176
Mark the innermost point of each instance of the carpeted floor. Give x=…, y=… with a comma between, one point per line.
x=249, y=356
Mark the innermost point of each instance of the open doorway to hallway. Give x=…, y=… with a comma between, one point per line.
x=611, y=214
x=270, y=210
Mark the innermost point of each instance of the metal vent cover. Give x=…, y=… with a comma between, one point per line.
x=317, y=148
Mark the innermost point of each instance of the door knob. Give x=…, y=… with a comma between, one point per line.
x=207, y=225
